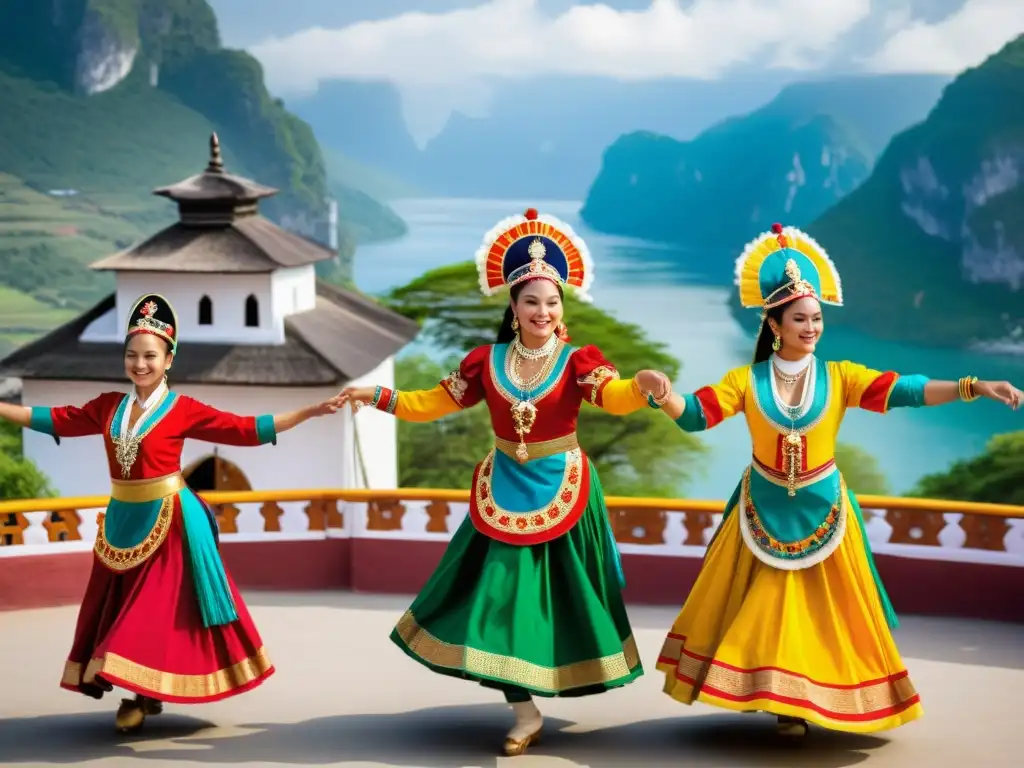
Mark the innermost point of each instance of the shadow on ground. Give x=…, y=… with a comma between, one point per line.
x=432, y=738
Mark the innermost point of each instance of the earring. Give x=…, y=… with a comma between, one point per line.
x=777, y=344
x=515, y=323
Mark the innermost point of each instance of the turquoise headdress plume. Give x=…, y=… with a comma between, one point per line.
x=154, y=314
x=531, y=246
x=784, y=265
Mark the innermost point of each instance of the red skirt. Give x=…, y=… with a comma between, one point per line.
x=142, y=630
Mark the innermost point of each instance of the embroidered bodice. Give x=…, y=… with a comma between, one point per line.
x=792, y=499
x=576, y=375
x=160, y=434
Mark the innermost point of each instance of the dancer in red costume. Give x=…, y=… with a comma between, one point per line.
x=161, y=616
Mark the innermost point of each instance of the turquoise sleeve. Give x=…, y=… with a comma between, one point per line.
x=692, y=418
x=908, y=392
x=266, y=432
x=42, y=421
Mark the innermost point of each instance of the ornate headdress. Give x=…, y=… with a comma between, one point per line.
x=526, y=247
x=784, y=265
x=154, y=314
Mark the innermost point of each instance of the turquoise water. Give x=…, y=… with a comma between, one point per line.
x=681, y=300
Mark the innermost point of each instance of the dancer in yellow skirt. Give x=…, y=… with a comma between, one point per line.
x=788, y=614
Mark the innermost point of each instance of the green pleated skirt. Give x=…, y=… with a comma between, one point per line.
x=546, y=619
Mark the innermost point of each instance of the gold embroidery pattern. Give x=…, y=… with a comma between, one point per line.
x=117, y=559
x=127, y=452
x=557, y=371
x=455, y=385
x=536, y=520
x=430, y=649
x=596, y=378
x=872, y=697
x=151, y=680
x=806, y=428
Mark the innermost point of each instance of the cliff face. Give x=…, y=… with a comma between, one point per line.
x=790, y=161
x=92, y=47
x=936, y=233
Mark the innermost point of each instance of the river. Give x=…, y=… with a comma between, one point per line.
x=681, y=301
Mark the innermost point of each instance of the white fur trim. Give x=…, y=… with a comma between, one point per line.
x=796, y=563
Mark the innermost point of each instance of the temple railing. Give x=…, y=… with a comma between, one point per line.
x=928, y=528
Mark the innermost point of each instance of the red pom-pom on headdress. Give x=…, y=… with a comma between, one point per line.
x=531, y=214
x=777, y=229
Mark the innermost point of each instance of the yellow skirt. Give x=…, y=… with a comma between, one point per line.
x=812, y=644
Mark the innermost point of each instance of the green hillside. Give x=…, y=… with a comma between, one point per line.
x=80, y=159
x=931, y=246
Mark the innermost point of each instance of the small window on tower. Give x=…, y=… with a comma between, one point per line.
x=205, y=311
x=252, y=312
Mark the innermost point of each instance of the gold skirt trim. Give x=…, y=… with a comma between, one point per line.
x=509, y=669
x=151, y=489
x=540, y=450
x=865, y=700
x=154, y=681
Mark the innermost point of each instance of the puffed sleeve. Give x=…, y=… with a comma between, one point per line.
x=75, y=421
x=711, y=405
x=204, y=422
x=879, y=391
x=462, y=388
x=601, y=384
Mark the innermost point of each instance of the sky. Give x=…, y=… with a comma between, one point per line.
x=445, y=52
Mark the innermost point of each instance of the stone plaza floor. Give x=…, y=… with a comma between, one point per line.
x=344, y=695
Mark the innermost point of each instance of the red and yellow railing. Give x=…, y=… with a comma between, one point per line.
x=640, y=521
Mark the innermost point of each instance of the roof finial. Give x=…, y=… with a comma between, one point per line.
x=216, y=162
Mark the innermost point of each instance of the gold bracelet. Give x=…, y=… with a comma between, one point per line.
x=967, y=392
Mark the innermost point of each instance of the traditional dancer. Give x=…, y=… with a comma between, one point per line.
x=161, y=616
x=788, y=614
x=527, y=596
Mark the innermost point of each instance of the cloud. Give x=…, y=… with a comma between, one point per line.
x=513, y=38
x=963, y=39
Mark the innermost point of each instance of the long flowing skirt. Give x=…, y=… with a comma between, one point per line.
x=812, y=644
x=142, y=630
x=548, y=618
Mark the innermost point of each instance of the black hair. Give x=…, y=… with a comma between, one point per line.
x=766, y=337
x=505, y=332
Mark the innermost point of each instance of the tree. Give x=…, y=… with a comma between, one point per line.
x=19, y=477
x=860, y=470
x=995, y=476
x=643, y=454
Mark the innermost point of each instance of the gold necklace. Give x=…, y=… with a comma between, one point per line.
x=788, y=379
x=524, y=412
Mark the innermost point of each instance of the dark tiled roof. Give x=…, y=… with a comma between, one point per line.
x=345, y=336
x=248, y=244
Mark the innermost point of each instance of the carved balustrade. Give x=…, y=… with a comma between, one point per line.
x=668, y=524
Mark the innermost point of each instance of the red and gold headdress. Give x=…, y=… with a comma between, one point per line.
x=154, y=314
x=533, y=246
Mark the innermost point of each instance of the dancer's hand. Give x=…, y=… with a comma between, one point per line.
x=327, y=407
x=1001, y=391
x=654, y=383
x=357, y=396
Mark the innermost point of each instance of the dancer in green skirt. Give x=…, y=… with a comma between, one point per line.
x=527, y=598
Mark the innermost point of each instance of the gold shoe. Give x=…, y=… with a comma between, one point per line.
x=130, y=715
x=791, y=726
x=515, y=747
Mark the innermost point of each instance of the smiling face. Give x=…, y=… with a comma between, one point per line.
x=539, y=309
x=146, y=360
x=800, y=329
